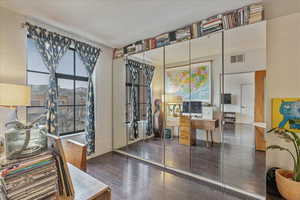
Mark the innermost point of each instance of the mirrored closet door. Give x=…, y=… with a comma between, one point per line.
x=243, y=149
x=197, y=107
x=206, y=105
x=178, y=139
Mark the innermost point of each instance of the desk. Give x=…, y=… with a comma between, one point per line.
x=189, y=126
x=208, y=125
x=87, y=187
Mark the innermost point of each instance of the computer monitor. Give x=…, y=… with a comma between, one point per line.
x=226, y=98
x=196, y=107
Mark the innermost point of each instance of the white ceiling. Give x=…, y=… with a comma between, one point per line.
x=117, y=23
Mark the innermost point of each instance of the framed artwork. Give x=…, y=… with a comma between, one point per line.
x=178, y=80
x=286, y=113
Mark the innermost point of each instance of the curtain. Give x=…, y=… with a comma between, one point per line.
x=148, y=71
x=133, y=67
x=89, y=56
x=52, y=48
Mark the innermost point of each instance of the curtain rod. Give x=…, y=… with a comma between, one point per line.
x=26, y=24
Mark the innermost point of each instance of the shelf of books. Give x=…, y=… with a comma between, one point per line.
x=246, y=15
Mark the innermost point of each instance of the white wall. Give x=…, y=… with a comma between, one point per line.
x=119, y=97
x=12, y=48
x=103, y=88
x=233, y=83
x=13, y=70
x=283, y=69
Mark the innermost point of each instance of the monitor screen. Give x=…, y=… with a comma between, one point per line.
x=227, y=99
x=196, y=107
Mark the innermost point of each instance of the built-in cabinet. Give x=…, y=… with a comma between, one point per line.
x=188, y=82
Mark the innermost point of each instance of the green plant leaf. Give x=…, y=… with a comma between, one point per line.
x=272, y=147
x=271, y=130
x=296, y=137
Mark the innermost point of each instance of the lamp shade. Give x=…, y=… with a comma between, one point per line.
x=14, y=95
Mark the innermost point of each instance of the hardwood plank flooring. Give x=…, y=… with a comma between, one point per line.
x=235, y=163
x=131, y=179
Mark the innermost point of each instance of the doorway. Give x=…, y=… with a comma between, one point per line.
x=247, y=104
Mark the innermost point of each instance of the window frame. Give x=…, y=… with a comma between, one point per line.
x=74, y=77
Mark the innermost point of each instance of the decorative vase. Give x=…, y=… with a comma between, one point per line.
x=24, y=141
x=288, y=188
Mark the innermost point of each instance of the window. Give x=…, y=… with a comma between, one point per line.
x=72, y=84
x=141, y=89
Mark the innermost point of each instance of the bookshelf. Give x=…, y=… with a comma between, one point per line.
x=228, y=20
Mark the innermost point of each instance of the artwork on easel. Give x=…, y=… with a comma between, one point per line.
x=286, y=113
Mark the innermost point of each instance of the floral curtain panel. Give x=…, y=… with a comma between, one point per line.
x=52, y=48
x=133, y=67
x=148, y=71
x=89, y=56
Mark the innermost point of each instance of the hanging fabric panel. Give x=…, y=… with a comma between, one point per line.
x=148, y=71
x=133, y=67
x=52, y=47
x=89, y=56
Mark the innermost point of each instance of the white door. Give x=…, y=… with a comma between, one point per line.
x=247, y=104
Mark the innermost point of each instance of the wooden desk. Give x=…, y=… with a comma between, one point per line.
x=87, y=187
x=189, y=126
x=208, y=125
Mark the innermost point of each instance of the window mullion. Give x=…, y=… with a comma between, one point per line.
x=72, y=77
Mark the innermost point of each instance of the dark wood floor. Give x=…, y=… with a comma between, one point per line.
x=235, y=163
x=131, y=179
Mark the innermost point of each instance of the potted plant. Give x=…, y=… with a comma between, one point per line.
x=288, y=182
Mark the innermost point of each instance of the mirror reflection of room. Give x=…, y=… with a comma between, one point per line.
x=243, y=149
x=205, y=103
x=142, y=129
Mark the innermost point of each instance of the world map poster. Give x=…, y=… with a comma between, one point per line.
x=179, y=82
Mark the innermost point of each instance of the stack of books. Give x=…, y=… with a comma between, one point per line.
x=129, y=49
x=119, y=53
x=256, y=13
x=236, y=18
x=172, y=37
x=195, y=30
x=146, y=46
x=211, y=25
x=149, y=44
x=162, y=40
x=34, y=178
x=139, y=46
x=183, y=34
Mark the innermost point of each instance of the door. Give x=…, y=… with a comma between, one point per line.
x=247, y=104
